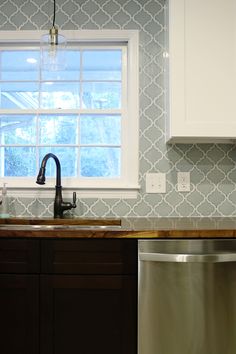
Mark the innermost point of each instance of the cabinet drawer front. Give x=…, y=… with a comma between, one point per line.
x=19, y=256
x=89, y=256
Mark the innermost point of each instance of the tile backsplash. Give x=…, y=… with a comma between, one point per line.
x=212, y=166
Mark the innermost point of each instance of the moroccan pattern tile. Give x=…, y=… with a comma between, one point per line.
x=212, y=166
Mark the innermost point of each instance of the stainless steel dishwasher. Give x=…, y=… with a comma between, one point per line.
x=187, y=297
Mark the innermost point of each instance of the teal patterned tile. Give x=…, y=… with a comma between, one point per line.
x=216, y=197
x=212, y=166
x=227, y=209
x=185, y=209
x=206, y=208
x=215, y=175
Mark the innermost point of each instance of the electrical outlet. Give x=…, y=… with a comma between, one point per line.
x=155, y=183
x=183, y=181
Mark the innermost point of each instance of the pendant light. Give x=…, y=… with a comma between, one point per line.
x=53, y=46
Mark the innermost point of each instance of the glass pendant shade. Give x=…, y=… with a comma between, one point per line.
x=53, y=51
x=53, y=48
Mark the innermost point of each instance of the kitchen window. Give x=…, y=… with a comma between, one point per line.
x=85, y=112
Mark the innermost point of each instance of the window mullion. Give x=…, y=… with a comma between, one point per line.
x=38, y=113
x=79, y=146
x=37, y=142
x=100, y=67
x=79, y=115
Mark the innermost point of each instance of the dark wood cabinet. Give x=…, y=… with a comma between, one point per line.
x=19, y=297
x=19, y=309
x=83, y=300
x=19, y=256
x=89, y=256
x=88, y=314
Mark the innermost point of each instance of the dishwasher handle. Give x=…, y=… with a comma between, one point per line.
x=187, y=258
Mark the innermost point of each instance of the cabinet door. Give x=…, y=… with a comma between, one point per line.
x=88, y=314
x=19, y=314
x=202, y=70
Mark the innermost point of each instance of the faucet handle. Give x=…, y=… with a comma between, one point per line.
x=74, y=200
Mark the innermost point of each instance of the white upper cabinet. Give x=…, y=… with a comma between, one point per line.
x=202, y=71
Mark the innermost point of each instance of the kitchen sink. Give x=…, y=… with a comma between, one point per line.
x=63, y=224
x=58, y=227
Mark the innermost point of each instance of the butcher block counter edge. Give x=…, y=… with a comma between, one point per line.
x=139, y=228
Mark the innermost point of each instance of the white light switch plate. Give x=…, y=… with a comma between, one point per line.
x=155, y=183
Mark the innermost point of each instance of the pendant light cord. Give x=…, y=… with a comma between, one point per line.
x=54, y=14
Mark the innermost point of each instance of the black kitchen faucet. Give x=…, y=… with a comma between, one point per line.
x=59, y=205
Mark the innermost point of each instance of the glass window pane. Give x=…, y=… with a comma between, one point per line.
x=24, y=85
x=18, y=161
x=58, y=129
x=100, y=129
x=60, y=95
x=19, y=95
x=67, y=157
x=100, y=162
x=20, y=65
x=99, y=95
x=70, y=60
x=102, y=65
x=17, y=130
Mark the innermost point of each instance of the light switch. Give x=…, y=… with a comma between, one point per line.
x=155, y=183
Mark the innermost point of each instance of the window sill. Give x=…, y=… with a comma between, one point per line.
x=49, y=192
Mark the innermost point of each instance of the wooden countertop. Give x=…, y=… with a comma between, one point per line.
x=147, y=228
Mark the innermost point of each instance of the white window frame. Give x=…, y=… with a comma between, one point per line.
x=125, y=187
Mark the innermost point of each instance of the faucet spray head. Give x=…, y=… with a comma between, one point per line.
x=41, y=176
